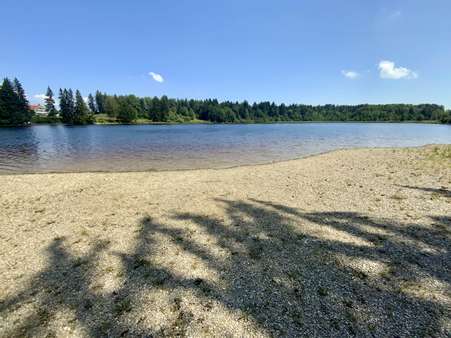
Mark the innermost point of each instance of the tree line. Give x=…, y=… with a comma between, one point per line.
x=14, y=109
x=163, y=109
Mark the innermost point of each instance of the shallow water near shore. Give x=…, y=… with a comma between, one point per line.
x=46, y=148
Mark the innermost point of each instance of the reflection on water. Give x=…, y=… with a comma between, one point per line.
x=147, y=147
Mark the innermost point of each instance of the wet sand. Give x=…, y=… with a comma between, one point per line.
x=349, y=243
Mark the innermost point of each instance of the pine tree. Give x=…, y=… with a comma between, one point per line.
x=50, y=103
x=70, y=105
x=23, y=113
x=22, y=99
x=14, y=108
x=63, y=105
x=67, y=105
x=92, y=104
x=81, y=110
x=100, y=102
x=8, y=102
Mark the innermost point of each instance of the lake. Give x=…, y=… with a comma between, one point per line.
x=45, y=148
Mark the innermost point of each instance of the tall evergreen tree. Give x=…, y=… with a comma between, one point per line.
x=92, y=104
x=70, y=104
x=50, y=103
x=8, y=102
x=63, y=104
x=80, y=109
x=21, y=97
x=64, y=113
x=14, y=108
x=24, y=112
x=100, y=102
x=67, y=105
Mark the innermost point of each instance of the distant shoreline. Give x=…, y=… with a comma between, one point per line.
x=149, y=123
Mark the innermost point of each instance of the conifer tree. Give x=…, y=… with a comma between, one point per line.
x=70, y=104
x=92, y=104
x=80, y=110
x=8, y=101
x=63, y=105
x=67, y=106
x=50, y=103
x=23, y=113
x=100, y=102
x=14, y=108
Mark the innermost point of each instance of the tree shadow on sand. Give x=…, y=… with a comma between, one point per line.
x=434, y=191
x=280, y=274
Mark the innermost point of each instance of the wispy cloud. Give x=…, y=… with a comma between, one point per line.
x=157, y=77
x=350, y=74
x=40, y=96
x=394, y=15
x=388, y=70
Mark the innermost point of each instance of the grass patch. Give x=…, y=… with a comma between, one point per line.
x=441, y=153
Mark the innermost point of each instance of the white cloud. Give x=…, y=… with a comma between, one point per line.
x=40, y=96
x=350, y=74
x=388, y=70
x=395, y=15
x=157, y=77
x=85, y=99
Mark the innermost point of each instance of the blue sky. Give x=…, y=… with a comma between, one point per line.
x=311, y=51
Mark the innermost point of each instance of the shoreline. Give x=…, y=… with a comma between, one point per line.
x=200, y=122
x=222, y=168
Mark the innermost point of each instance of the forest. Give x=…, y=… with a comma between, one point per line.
x=102, y=107
x=129, y=108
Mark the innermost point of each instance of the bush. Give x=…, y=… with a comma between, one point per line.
x=45, y=119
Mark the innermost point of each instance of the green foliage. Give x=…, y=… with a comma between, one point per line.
x=81, y=111
x=22, y=101
x=92, y=104
x=45, y=119
x=74, y=110
x=50, y=103
x=100, y=102
x=67, y=106
x=111, y=106
x=446, y=117
x=14, y=108
x=129, y=108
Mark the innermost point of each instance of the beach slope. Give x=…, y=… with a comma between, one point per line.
x=349, y=243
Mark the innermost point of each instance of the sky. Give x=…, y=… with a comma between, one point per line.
x=298, y=51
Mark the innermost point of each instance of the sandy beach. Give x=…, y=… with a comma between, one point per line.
x=348, y=243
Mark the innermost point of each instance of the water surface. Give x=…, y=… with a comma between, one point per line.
x=59, y=148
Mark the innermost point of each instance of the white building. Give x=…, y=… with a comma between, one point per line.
x=38, y=109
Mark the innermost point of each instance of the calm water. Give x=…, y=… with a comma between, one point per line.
x=147, y=147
